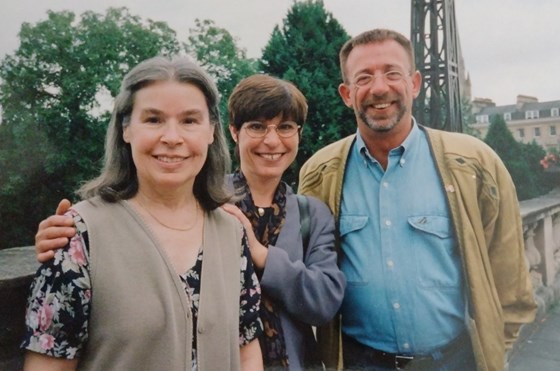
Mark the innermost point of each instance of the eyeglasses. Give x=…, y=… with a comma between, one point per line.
x=389, y=77
x=257, y=129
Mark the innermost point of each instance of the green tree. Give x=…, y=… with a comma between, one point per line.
x=533, y=153
x=468, y=117
x=52, y=92
x=305, y=51
x=217, y=51
x=521, y=160
x=501, y=140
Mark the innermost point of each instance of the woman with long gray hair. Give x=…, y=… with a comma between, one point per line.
x=157, y=275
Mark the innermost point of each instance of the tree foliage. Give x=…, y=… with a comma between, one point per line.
x=468, y=118
x=521, y=160
x=52, y=92
x=217, y=51
x=305, y=51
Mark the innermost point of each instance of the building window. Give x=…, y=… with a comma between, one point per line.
x=554, y=112
x=482, y=119
x=507, y=116
x=553, y=130
x=537, y=132
x=521, y=133
x=532, y=114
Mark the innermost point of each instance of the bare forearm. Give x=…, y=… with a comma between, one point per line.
x=251, y=357
x=40, y=362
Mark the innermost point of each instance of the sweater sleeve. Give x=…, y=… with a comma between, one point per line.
x=311, y=289
x=507, y=258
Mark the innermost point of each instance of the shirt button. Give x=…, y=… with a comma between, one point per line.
x=390, y=263
x=385, y=184
x=200, y=330
x=388, y=223
x=402, y=161
x=396, y=305
x=406, y=345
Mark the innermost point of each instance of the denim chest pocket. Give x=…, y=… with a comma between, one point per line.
x=355, y=254
x=351, y=223
x=435, y=250
x=438, y=226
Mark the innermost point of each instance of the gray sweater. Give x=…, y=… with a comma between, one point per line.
x=140, y=316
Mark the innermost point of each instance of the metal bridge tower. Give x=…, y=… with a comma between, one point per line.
x=436, y=50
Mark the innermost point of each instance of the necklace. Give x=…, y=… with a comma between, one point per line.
x=167, y=226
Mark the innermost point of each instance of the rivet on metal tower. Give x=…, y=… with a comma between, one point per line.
x=437, y=51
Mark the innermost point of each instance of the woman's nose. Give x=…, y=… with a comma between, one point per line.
x=171, y=133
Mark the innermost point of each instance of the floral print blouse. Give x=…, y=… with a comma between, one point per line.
x=58, y=307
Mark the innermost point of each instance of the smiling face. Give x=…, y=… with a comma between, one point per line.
x=379, y=106
x=268, y=157
x=169, y=133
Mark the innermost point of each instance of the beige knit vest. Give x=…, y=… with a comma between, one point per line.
x=140, y=316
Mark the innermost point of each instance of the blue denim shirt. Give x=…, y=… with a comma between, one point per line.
x=400, y=257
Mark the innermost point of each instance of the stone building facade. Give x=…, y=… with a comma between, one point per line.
x=527, y=119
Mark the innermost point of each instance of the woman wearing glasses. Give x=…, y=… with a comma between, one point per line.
x=301, y=287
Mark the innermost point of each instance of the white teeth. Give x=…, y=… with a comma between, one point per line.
x=272, y=156
x=169, y=159
x=381, y=106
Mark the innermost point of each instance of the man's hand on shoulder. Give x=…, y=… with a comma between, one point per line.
x=54, y=232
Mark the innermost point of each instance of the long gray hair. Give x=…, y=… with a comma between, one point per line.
x=118, y=179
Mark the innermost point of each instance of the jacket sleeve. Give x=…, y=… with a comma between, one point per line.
x=506, y=249
x=310, y=290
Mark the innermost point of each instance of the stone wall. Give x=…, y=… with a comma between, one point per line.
x=541, y=229
x=17, y=267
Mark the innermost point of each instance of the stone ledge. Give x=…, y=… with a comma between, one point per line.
x=22, y=265
x=17, y=269
x=530, y=210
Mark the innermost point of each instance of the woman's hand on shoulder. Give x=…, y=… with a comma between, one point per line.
x=259, y=252
x=54, y=232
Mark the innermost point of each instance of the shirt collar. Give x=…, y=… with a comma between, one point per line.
x=411, y=140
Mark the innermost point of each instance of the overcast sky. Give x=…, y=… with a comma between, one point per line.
x=510, y=47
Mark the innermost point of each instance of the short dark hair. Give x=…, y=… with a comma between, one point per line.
x=370, y=37
x=263, y=97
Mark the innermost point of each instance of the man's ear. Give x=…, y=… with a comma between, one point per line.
x=416, y=83
x=344, y=91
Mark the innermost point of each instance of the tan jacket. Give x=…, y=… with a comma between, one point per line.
x=487, y=223
x=140, y=314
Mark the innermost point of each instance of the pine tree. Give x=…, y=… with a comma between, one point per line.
x=217, y=51
x=305, y=51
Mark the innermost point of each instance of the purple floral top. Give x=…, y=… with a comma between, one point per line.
x=59, y=304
